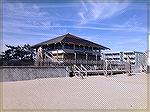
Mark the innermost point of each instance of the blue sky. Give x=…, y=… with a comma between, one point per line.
x=120, y=26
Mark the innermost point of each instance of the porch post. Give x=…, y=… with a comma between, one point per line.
x=57, y=54
x=86, y=58
x=96, y=58
x=75, y=57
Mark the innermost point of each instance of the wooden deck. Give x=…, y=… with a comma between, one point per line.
x=82, y=71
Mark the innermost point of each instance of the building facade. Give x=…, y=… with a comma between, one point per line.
x=136, y=58
x=70, y=47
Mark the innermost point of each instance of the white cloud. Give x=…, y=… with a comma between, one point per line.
x=94, y=10
x=27, y=18
x=23, y=14
x=22, y=10
x=109, y=28
x=24, y=27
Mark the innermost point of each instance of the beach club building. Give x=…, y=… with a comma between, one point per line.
x=69, y=47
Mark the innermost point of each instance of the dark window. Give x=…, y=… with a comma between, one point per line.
x=50, y=47
x=116, y=54
x=68, y=46
x=116, y=58
x=96, y=49
x=79, y=47
x=58, y=46
x=88, y=48
x=129, y=53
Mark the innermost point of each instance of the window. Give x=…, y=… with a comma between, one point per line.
x=96, y=49
x=68, y=46
x=88, y=48
x=50, y=47
x=58, y=46
x=79, y=47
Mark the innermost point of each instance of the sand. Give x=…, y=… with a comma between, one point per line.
x=95, y=92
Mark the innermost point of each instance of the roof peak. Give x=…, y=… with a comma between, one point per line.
x=68, y=35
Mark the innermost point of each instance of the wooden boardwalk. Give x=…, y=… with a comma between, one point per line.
x=82, y=71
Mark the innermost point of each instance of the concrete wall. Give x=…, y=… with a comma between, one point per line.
x=29, y=73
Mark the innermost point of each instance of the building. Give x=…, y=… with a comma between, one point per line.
x=136, y=58
x=70, y=47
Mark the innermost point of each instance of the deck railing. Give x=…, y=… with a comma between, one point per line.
x=100, y=64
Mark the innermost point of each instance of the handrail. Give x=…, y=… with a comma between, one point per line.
x=49, y=53
x=83, y=67
x=80, y=71
x=85, y=70
x=77, y=68
x=53, y=59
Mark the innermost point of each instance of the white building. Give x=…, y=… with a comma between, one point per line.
x=137, y=58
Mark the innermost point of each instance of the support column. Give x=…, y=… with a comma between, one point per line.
x=96, y=57
x=86, y=58
x=57, y=54
x=63, y=48
x=75, y=56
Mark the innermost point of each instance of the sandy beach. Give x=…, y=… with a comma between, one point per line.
x=94, y=92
